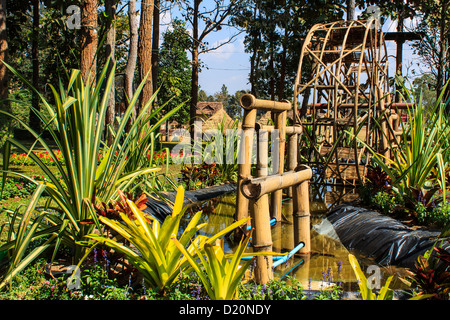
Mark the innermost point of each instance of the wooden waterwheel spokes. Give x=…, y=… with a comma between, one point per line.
x=347, y=88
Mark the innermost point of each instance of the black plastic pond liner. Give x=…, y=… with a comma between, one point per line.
x=386, y=240
x=160, y=209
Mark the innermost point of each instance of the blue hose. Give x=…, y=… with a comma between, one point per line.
x=287, y=272
x=286, y=257
x=272, y=223
x=280, y=259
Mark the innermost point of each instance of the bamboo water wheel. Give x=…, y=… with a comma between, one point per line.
x=346, y=90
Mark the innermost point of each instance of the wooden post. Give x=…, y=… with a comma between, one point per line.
x=263, y=153
x=292, y=154
x=262, y=240
x=255, y=187
x=248, y=102
x=263, y=232
x=277, y=196
x=301, y=216
x=244, y=165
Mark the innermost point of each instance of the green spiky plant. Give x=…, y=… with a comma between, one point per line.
x=76, y=125
x=151, y=249
x=385, y=292
x=422, y=147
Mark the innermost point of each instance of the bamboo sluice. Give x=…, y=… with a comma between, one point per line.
x=255, y=193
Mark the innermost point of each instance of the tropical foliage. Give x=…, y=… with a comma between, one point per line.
x=366, y=292
x=221, y=277
x=432, y=276
x=151, y=248
x=76, y=127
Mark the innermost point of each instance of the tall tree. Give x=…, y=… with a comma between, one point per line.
x=155, y=43
x=351, y=6
x=34, y=121
x=132, y=51
x=145, y=51
x=175, y=70
x=274, y=30
x=234, y=109
x=110, y=10
x=204, y=18
x=89, y=39
x=4, y=105
x=434, y=23
x=3, y=51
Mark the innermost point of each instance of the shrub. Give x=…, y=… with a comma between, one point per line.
x=273, y=290
x=438, y=214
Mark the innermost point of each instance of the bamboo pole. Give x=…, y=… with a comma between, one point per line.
x=292, y=154
x=244, y=165
x=297, y=129
x=253, y=188
x=277, y=195
x=261, y=216
x=263, y=153
x=262, y=239
x=248, y=101
x=302, y=216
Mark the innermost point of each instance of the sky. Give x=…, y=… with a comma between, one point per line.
x=230, y=64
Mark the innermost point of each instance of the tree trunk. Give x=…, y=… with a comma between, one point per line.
x=272, y=68
x=399, y=53
x=88, y=63
x=350, y=10
x=443, y=49
x=4, y=78
x=34, y=120
x=132, y=56
x=155, y=44
x=110, y=8
x=194, y=90
x=3, y=52
x=283, y=66
x=145, y=51
x=194, y=82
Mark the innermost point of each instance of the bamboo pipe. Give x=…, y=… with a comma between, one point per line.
x=253, y=188
x=290, y=130
x=292, y=155
x=394, y=105
x=262, y=240
x=277, y=195
x=263, y=153
x=302, y=216
x=249, y=101
x=261, y=216
x=244, y=166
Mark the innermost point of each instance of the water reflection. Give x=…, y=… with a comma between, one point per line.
x=328, y=262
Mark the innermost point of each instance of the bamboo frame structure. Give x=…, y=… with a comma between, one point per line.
x=348, y=89
x=244, y=165
x=254, y=191
x=254, y=188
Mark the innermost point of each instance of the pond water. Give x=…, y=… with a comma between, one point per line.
x=328, y=262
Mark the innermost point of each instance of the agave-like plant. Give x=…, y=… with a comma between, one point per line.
x=24, y=228
x=222, y=274
x=422, y=147
x=150, y=248
x=76, y=126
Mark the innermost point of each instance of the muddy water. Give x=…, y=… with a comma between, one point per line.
x=328, y=262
